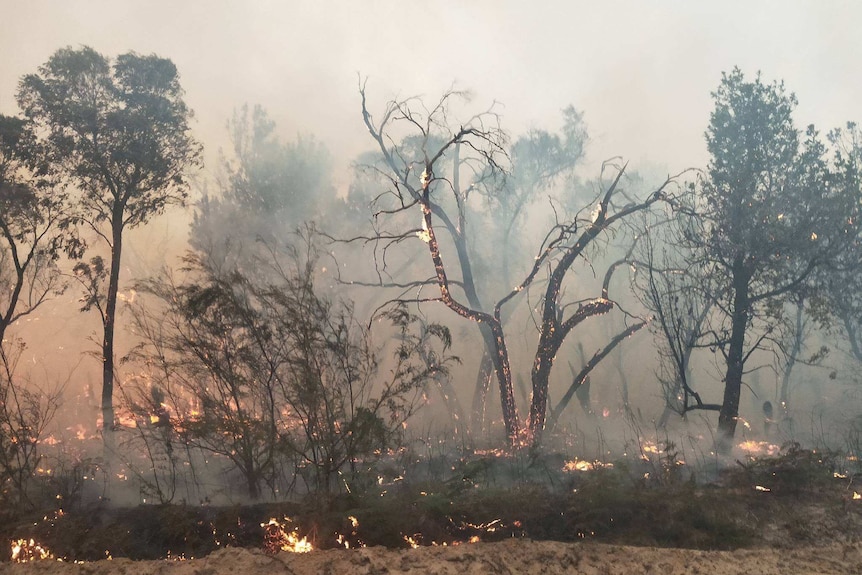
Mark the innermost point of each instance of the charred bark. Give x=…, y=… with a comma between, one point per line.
x=109, y=325
x=729, y=413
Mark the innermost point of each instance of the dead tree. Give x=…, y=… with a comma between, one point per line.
x=417, y=185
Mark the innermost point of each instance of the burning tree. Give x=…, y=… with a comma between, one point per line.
x=119, y=131
x=262, y=369
x=424, y=175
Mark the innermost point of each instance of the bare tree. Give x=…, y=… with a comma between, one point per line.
x=420, y=184
x=26, y=411
x=673, y=289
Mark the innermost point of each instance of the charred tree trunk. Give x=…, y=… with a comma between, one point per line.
x=497, y=342
x=14, y=296
x=459, y=238
x=729, y=413
x=551, y=339
x=583, y=376
x=109, y=325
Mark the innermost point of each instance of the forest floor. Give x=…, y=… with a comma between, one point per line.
x=511, y=556
x=798, y=512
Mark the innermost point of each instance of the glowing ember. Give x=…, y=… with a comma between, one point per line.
x=856, y=495
x=583, y=465
x=762, y=488
x=344, y=541
x=756, y=448
x=411, y=541
x=24, y=551
x=51, y=440
x=280, y=538
x=650, y=447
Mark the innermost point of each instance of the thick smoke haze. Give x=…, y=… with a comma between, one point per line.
x=642, y=72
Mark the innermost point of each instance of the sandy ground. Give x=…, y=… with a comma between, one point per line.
x=514, y=556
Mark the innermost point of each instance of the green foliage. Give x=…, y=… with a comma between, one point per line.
x=267, y=371
x=119, y=130
x=36, y=226
x=768, y=196
x=767, y=216
x=793, y=471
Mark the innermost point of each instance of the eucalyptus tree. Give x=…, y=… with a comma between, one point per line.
x=119, y=131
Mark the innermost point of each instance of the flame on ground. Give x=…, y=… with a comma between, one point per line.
x=24, y=550
x=755, y=448
x=345, y=540
x=280, y=537
x=584, y=465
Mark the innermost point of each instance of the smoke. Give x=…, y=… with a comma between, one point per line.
x=642, y=75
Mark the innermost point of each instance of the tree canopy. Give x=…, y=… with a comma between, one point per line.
x=119, y=131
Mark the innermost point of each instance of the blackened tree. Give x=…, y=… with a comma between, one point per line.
x=423, y=186
x=772, y=213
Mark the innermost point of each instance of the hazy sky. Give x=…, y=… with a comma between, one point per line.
x=641, y=71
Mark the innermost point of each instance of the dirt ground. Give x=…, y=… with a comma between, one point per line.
x=512, y=556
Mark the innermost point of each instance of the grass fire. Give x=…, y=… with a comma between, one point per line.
x=410, y=287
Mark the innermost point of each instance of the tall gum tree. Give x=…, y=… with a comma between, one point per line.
x=119, y=131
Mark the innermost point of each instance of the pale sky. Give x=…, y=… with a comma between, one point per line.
x=641, y=71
